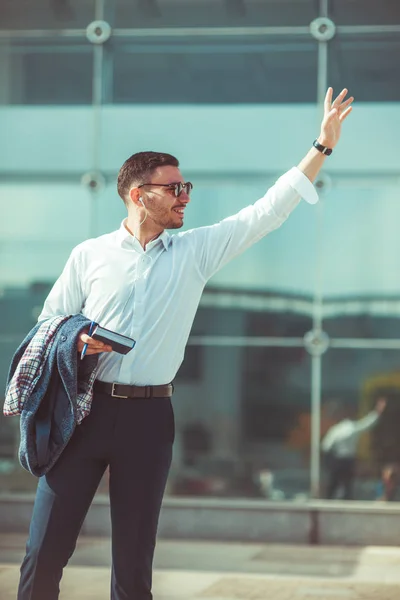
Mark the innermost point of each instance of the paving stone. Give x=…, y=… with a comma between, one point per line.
x=230, y=588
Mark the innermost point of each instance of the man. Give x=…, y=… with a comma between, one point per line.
x=144, y=283
x=340, y=446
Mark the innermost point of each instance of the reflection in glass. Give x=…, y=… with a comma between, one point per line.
x=208, y=71
x=48, y=74
x=368, y=320
x=40, y=229
x=367, y=63
x=214, y=13
x=360, y=447
x=232, y=314
x=46, y=14
x=243, y=423
x=364, y=12
x=359, y=258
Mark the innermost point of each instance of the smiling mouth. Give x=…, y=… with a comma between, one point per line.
x=180, y=211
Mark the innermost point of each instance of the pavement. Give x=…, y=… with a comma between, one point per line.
x=196, y=570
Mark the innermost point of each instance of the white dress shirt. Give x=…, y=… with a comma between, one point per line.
x=152, y=295
x=342, y=438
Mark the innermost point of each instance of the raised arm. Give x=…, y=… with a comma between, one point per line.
x=335, y=112
x=218, y=244
x=371, y=418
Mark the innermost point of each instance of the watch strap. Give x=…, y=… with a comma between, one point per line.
x=323, y=149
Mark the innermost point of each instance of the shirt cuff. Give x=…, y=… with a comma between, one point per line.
x=303, y=186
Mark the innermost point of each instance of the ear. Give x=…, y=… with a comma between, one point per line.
x=134, y=195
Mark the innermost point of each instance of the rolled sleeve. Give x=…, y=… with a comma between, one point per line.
x=303, y=186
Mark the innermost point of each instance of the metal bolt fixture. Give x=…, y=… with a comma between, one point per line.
x=98, y=32
x=322, y=29
x=93, y=180
x=316, y=342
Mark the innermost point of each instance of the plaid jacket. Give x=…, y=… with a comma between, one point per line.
x=50, y=388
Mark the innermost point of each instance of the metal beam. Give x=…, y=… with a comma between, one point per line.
x=354, y=179
x=190, y=32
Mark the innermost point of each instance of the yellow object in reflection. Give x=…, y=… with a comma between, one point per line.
x=388, y=444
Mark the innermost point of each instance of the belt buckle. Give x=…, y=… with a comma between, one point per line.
x=113, y=394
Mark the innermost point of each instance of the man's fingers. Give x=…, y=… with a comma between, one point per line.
x=345, y=114
x=340, y=98
x=331, y=115
x=94, y=346
x=345, y=104
x=328, y=100
x=86, y=339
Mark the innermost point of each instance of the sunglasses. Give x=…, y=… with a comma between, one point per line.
x=177, y=188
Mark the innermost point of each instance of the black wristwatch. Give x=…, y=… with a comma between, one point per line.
x=323, y=149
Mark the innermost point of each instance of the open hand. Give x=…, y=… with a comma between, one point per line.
x=334, y=114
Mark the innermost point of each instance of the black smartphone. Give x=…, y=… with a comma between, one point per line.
x=119, y=343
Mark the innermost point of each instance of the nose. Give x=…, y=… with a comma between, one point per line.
x=184, y=197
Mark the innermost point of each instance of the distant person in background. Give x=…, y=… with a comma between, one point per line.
x=339, y=447
x=265, y=480
x=388, y=486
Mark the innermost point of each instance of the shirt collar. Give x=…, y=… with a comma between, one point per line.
x=123, y=234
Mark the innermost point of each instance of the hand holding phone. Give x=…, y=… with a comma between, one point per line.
x=109, y=341
x=118, y=342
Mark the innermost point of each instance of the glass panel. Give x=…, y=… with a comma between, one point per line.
x=359, y=459
x=364, y=12
x=37, y=244
x=243, y=423
x=251, y=321
x=59, y=147
x=368, y=320
x=47, y=74
x=360, y=259
x=369, y=64
x=214, y=13
x=110, y=209
x=208, y=71
x=45, y=14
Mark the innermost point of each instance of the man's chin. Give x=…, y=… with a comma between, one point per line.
x=175, y=225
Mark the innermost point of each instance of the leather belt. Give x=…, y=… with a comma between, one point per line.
x=120, y=390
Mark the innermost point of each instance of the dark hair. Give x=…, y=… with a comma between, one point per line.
x=139, y=167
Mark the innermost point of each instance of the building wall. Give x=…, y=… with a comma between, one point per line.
x=238, y=106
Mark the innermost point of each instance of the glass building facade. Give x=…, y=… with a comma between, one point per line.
x=305, y=324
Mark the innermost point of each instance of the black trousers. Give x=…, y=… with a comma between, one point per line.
x=134, y=438
x=341, y=477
